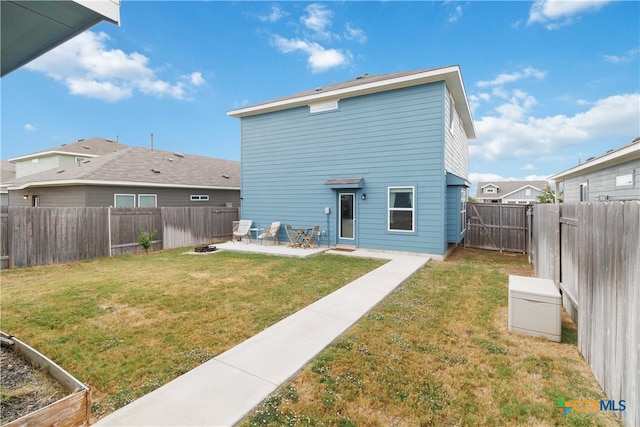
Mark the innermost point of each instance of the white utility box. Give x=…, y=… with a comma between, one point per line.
x=535, y=307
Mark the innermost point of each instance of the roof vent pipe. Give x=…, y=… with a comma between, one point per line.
x=152, y=142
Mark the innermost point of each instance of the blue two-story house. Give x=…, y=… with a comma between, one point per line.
x=378, y=162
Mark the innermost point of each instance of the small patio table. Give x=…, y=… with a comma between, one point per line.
x=297, y=236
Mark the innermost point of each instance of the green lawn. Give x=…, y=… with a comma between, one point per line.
x=127, y=325
x=437, y=352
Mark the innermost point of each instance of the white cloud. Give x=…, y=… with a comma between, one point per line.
x=319, y=58
x=629, y=56
x=274, y=15
x=528, y=167
x=89, y=68
x=352, y=33
x=502, y=136
x=29, y=127
x=505, y=78
x=318, y=20
x=455, y=15
x=555, y=14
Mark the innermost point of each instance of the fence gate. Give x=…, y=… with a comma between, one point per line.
x=500, y=227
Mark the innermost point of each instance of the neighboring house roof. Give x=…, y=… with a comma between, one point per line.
x=137, y=166
x=7, y=174
x=31, y=28
x=505, y=188
x=616, y=156
x=367, y=84
x=90, y=147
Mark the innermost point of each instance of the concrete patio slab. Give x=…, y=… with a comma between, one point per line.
x=224, y=390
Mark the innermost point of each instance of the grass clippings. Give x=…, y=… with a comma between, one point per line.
x=129, y=324
x=437, y=352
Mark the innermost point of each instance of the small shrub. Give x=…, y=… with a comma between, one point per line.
x=146, y=239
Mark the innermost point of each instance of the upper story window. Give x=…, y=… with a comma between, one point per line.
x=490, y=190
x=401, y=208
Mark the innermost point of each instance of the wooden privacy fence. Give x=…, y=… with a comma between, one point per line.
x=39, y=236
x=503, y=227
x=591, y=251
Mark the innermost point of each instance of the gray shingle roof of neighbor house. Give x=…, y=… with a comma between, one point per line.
x=89, y=147
x=137, y=166
x=367, y=84
x=7, y=173
x=507, y=187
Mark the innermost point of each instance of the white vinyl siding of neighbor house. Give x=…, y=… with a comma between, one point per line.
x=390, y=139
x=39, y=164
x=521, y=196
x=602, y=183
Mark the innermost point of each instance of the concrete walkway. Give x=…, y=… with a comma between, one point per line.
x=223, y=390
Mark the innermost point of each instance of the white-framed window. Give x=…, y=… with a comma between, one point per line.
x=527, y=192
x=490, y=190
x=584, y=192
x=199, y=197
x=124, y=200
x=401, y=209
x=463, y=209
x=147, y=200
x=452, y=111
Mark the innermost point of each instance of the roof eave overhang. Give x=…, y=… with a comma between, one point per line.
x=451, y=75
x=51, y=153
x=625, y=154
x=75, y=182
x=28, y=14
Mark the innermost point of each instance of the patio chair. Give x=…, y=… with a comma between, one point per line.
x=310, y=238
x=293, y=235
x=270, y=233
x=242, y=229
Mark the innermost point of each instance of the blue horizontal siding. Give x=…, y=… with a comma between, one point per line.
x=393, y=138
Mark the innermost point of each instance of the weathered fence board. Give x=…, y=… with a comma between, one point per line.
x=38, y=236
x=127, y=224
x=497, y=226
x=4, y=240
x=600, y=267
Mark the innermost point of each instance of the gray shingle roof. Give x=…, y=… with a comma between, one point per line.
x=137, y=165
x=507, y=187
x=7, y=173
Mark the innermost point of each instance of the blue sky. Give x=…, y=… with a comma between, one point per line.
x=550, y=83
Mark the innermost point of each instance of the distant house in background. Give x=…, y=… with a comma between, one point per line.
x=511, y=192
x=98, y=172
x=64, y=155
x=378, y=162
x=614, y=175
x=7, y=177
